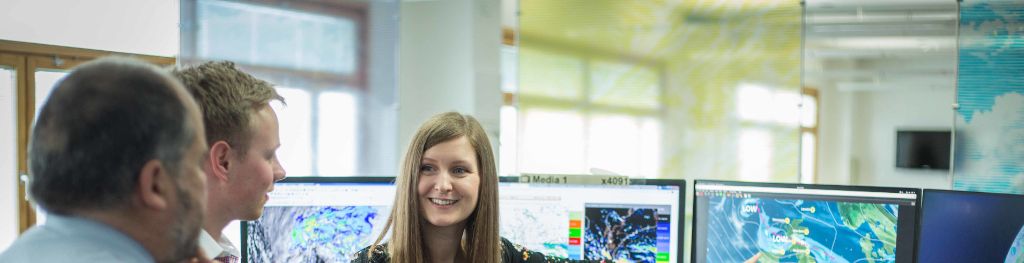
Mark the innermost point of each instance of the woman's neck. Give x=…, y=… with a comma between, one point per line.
x=443, y=243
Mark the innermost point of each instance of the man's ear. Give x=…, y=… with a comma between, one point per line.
x=219, y=160
x=154, y=185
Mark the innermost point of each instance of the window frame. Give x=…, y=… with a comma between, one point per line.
x=584, y=105
x=26, y=59
x=315, y=83
x=813, y=130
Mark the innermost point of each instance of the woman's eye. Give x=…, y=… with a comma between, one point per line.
x=426, y=168
x=459, y=170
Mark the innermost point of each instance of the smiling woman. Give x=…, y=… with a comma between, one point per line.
x=446, y=201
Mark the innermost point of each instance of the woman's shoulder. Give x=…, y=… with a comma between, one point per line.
x=372, y=254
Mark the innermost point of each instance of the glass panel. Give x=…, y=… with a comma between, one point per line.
x=809, y=112
x=509, y=69
x=613, y=144
x=267, y=36
x=336, y=134
x=276, y=39
x=550, y=74
x=507, y=148
x=786, y=107
x=551, y=142
x=8, y=159
x=621, y=84
x=224, y=32
x=683, y=60
x=45, y=81
x=650, y=147
x=808, y=157
x=296, y=131
x=755, y=154
x=989, y=123
x=753, y=104
x=767, y=105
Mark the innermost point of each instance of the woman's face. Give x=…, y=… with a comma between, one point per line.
x=449, y=183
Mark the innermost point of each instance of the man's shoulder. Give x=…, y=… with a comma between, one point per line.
x=44, y=245
x=74, y=243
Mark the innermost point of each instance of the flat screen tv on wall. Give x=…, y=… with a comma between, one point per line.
x=919, y=149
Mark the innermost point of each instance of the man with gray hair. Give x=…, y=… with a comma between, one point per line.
x=115, y=162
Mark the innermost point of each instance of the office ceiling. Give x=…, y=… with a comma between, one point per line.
x=880, y=45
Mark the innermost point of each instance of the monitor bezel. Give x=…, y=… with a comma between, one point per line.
x=917, y=212
x=681, y=211
x=244, y=224
x=921, y=211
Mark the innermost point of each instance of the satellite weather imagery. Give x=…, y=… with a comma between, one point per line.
x=313, y=233
x=786, y=230
x=542, y=228
x=620, y=234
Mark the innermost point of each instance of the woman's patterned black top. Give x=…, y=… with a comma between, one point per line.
x=510, y=253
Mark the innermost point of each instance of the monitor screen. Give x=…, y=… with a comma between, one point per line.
x=636, y=223
x=318, y=219
x=737, y=222
x=971, y=227
x=923, y=149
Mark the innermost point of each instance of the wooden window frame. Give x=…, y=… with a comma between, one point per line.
x=813, y=130
x=26, y=59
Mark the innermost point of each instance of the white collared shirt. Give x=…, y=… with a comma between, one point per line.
x=217, y=248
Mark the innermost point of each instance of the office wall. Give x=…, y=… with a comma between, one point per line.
x=94, y=24
x=876, y=117
x=448, y=61
x=834, y=133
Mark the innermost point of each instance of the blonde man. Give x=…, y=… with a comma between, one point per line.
x=242, y=131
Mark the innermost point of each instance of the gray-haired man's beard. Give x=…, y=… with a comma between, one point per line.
x=185, y=233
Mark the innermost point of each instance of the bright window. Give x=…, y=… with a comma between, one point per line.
x=336, y=145
x=8, y=161
x=583, y=113
x=45, y=82
x=318, y=56
x=296, y=124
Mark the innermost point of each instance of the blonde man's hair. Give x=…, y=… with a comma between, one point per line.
x=481, y=240
x=228, y=98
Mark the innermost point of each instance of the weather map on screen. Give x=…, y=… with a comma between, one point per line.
x=636, y=223
x=774, y=223
x=323, y=221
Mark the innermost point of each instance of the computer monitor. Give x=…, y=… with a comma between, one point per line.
x=971, y=227
x=318, y=219
x=738, y=221
x=642, y=222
